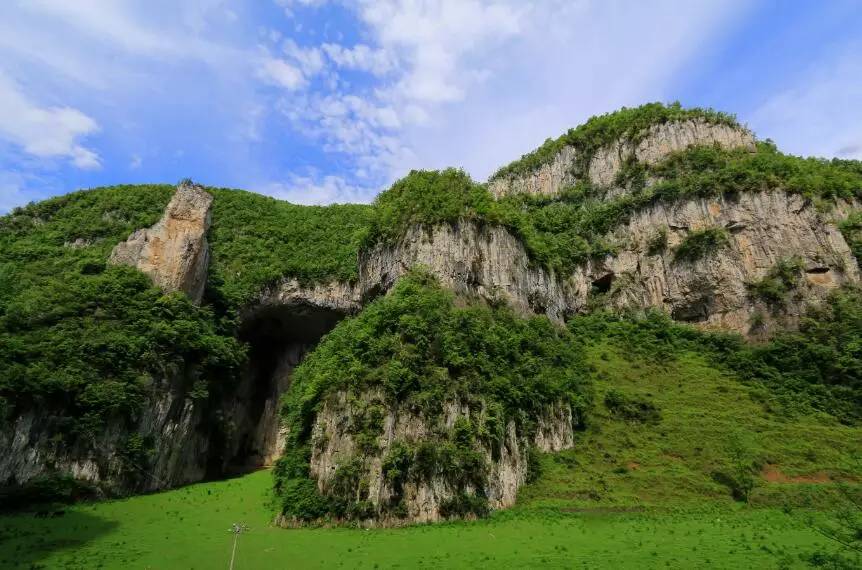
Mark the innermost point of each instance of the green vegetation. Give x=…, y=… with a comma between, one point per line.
x=629, y=494
x=187, y=528
x=257, y=240
x=85, y=341
x=421, y=350
x=851, y=228
x=714, y=171
x=698, y=244
x=778, y=283
x=626, y=124
x=658, y=242
x=815, y=368
x=428, y=197
x=82, y=341
x=563, y=231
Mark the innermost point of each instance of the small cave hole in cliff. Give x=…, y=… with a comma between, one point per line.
x=603, y=283
x=278, y=338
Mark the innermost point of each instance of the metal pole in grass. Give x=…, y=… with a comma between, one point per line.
x=236, y=529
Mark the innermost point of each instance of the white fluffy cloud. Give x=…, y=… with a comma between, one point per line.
x=47, y=132
x=315, y=189
x=279, y=72
x=360, y=57
x=476, y=83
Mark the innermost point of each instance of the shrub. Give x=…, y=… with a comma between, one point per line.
x=53, y=488
x=778, y=282
x=851, y=229
x=463, y=504
x=534, y=464
x=657, y=244
x=300, y=500
x=700, y=243
x=631, y=408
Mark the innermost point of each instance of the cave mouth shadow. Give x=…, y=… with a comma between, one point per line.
x=278, y=337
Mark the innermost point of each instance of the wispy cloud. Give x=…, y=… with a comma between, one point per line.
x=315, y=189
x=820, y=109
x=45, y=131
x=333, y=100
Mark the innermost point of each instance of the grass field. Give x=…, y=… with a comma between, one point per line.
x=187, y=528
x=631, y=495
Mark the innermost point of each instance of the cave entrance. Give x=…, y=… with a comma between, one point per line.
x=278, y=338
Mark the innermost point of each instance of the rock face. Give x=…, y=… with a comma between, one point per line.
x=174, y=252
x=763, y=229
x=169, y=428
x=422, y=494
x=659, y=141
x=468, y=258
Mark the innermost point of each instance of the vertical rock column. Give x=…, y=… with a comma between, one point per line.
x=174, y=252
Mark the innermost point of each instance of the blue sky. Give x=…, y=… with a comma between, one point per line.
x=318, y=101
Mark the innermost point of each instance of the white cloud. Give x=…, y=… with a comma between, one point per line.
x=47, y=132
x=476, y=84
x=819, y=112
x=361, y=57
x=135, y=162
x=279, y=72
x=310, y=60
x=316, y=189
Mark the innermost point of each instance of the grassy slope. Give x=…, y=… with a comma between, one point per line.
x=687, y=520
x=629, y=464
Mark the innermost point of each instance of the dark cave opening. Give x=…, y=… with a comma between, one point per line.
x=278, y=338
x=603, y=283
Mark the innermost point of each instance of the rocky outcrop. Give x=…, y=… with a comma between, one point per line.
x=472, y=259
x=763, y=230
x=174, y=252
x=604, y=166
x=165, y=445
x=467, y=257
x=422, y=492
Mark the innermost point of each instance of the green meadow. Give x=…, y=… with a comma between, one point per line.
x=188, y=528
x=632, y=494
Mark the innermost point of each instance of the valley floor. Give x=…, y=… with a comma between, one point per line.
x=188, y=528
x=633, y=494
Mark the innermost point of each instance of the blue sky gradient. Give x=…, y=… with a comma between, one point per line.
x=318, y=101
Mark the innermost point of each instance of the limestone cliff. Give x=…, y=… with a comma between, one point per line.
x=169, y=430
x=764, y=229
x=604, y=166
x=427, y=492
x=174, y=252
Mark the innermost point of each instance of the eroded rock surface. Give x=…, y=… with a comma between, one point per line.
x=174, y=252
x=169, y=428
x=604, y=166
x=764, y=229
x=421, y=495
